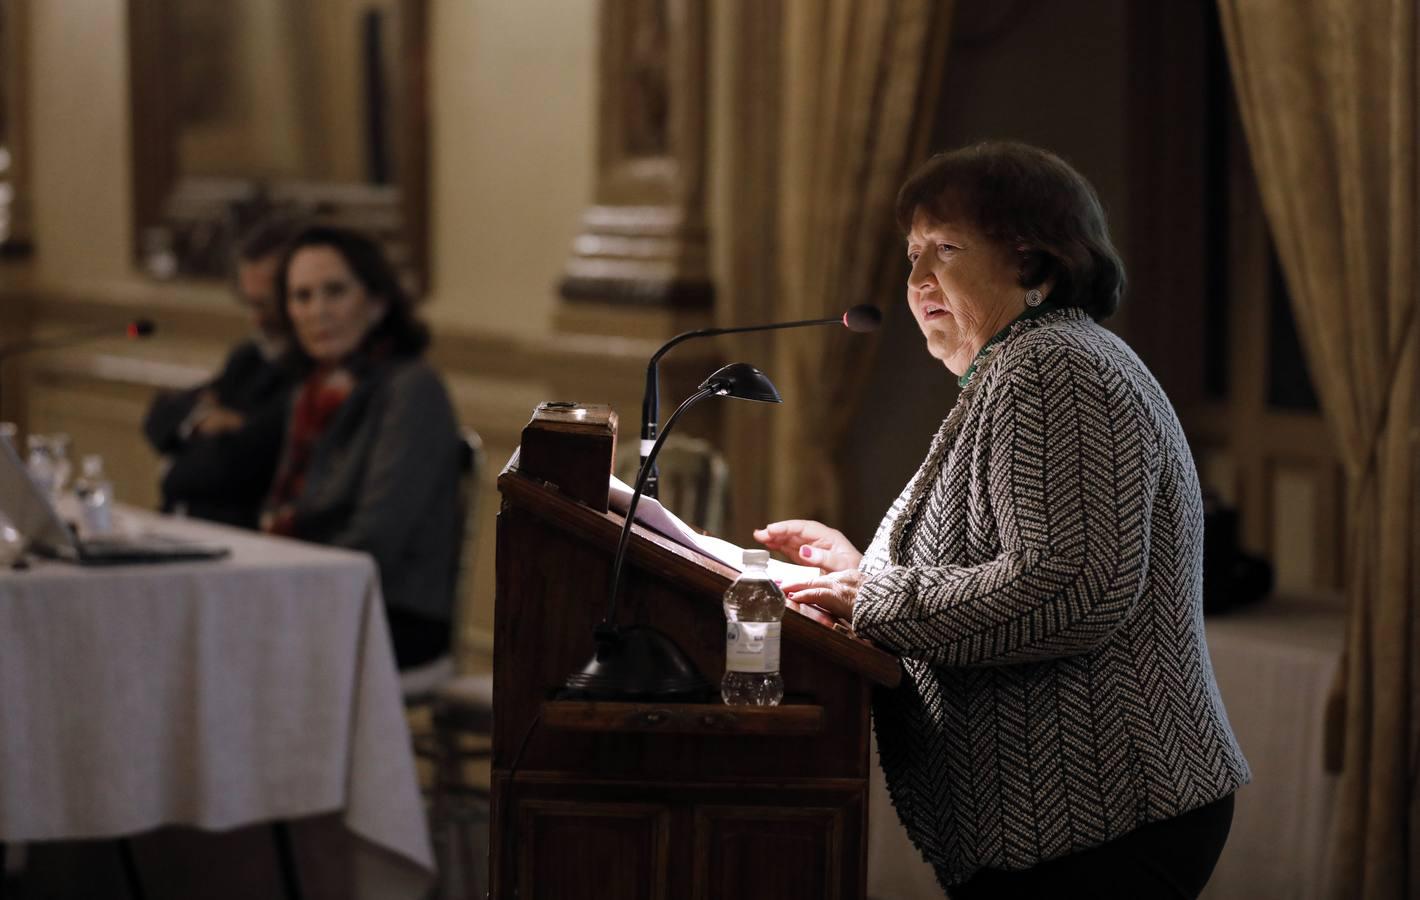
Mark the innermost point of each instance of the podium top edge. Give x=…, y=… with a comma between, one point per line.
x=569, y=415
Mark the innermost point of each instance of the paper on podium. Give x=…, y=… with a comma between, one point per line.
x=650, y=513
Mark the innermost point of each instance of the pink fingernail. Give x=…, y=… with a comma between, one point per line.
x=806, y=552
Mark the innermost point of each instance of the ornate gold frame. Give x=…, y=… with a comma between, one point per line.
x=14, y=131
x=184, y=225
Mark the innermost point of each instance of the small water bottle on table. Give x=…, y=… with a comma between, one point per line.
x=95, y=494
x=59, y=455
x=39, y=461
x=754, y=609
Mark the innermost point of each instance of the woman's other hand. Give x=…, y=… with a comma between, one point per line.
x=219, y=420
x=834, y=593
x=811, y=611
x=810, y=543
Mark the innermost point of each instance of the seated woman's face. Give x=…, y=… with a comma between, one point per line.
x=963, y=288
x=330, y=310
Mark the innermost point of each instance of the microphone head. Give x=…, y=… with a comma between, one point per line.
x=862, y=318
x=140, y=328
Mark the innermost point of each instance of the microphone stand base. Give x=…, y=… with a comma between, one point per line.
x=637, y=663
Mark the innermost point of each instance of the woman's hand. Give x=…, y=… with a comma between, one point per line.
x=834, y=593
x=219, y=420
x=811, y=543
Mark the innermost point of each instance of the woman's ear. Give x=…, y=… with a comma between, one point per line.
x=1033, y=268
x=377, y=310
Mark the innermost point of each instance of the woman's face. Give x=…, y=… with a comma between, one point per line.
x=963, y=288
x=330, y=310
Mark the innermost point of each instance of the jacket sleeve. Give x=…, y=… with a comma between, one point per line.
x=414, y=456
x=162, y=424
x=1071, y=474
x=236, y=464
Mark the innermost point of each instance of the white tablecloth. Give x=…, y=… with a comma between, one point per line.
x=1275, y=665
x=210, y=694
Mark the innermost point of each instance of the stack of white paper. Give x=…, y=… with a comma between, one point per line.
x=650, y=513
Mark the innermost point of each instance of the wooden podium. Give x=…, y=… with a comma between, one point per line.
x=644, y=800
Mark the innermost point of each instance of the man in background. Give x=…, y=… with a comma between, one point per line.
x=222, y=439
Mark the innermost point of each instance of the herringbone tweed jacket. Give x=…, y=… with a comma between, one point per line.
x=1041, y=577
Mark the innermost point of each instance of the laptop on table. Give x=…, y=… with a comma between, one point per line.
x=34, y=514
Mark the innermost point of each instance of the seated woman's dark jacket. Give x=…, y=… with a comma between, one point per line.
x=384, y=478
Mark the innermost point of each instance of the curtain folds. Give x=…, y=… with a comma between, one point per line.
x=852, y=86
x=1328, y=93
x=859, y=85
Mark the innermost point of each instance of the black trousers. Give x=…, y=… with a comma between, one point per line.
x=1159, y=861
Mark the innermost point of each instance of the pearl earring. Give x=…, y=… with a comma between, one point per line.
x=1034, y=297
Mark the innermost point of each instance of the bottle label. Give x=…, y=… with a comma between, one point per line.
x=752, y=646
x=97, y=518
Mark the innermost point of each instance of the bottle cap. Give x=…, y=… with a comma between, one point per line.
x=93, y=465
x=754, y=558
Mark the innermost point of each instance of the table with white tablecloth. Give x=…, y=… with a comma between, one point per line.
x=1275, y=664
x=214, y=694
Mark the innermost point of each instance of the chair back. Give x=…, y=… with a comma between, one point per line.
x=694, y=479
x=471, y=463
x=419, y=683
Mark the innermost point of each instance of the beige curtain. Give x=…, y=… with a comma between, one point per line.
x=855, y=79
x=1328, y=92
x=832, y=103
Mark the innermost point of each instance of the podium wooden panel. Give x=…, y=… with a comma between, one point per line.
x=612, y=800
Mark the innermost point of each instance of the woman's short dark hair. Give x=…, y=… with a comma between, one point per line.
x=1033, y=201
x=399, y=333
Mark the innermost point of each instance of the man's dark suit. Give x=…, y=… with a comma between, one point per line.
x=224, y=477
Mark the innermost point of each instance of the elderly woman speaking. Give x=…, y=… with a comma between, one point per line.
x=1058, y=732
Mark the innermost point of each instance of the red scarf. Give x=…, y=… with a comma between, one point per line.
x=320, y=398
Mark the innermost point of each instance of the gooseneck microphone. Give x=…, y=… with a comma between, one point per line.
x=638, y=662
x=862, y=318
x=134, y=330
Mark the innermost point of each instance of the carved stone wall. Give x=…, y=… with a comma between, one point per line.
x=644, y=241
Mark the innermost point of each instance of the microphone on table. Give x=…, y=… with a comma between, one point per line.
x=862, y=318
x=134, y=330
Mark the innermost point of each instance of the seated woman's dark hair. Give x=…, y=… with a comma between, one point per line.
x=399, y=332
x=1033, y=201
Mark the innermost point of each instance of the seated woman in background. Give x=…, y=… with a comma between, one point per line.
x=371, y=457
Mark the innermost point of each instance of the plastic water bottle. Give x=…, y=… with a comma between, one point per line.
x=59, y=454
x=12, y=543
x=40, y=462
x=754, y=608
x=95, y=495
